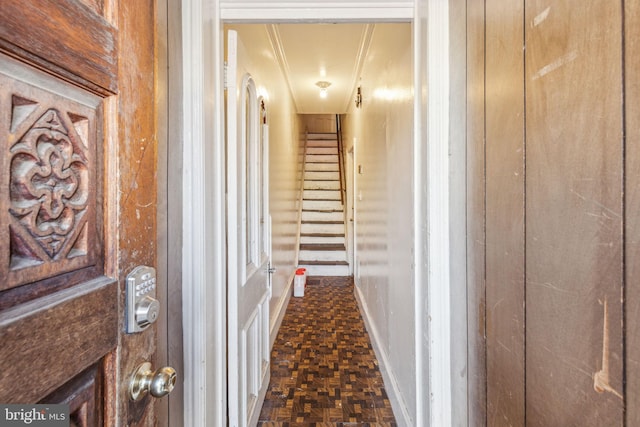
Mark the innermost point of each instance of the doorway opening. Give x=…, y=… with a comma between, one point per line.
x=367, y=76
x=204, y=254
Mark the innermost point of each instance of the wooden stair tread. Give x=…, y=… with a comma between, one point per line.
x=322, y=247
x=321, y=234
x=302, y=262
x=323, y=222
x=322, y=136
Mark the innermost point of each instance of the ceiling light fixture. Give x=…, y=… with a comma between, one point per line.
x=323, y=88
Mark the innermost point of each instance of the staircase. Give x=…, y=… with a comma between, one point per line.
x=322, y=230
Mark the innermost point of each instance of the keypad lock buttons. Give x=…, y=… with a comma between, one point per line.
x=143, y=308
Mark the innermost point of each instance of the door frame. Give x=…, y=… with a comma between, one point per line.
x=204, y=252
x=203, y=221
x=169, y=200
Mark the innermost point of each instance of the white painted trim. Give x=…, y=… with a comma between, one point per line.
x=399, y=406
x=420, y=220
x=350, y=212
x=355, y=268
x=300, y=197
x=438, y=248
x=458, y=215
x=280, y=310
x=203, y=261
x=236, y=265
x=315, y=12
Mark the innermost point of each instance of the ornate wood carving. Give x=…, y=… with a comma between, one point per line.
x=50, y=218
x=49, y=188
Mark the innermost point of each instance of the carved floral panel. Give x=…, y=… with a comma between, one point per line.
x=50, y=219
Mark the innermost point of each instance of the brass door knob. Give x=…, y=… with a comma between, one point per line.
x=157, y=383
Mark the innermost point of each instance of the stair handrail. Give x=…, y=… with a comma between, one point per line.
x=343, y=185
x=301, y=195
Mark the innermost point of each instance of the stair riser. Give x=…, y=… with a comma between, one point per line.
x=323, y=255
x=322, y=216
x=327, y=270
x=319, y=194
x=322, y=143
x=321, y=185
x=321, y=167
x=322, y=150
x=321, y=136
x=322, y=176
x=321, y=158
x=322, y=228
x=326, y=205
x=322, y=240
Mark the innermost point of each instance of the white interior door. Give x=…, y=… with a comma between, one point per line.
x=248, y=241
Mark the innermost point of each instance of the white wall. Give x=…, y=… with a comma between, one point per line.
x=319, y=123
x=383, y=130
x=285, y=129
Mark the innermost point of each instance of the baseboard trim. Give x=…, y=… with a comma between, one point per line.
x=400, y=411
x=281, y=308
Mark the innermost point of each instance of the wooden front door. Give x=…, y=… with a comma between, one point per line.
x=77, y=202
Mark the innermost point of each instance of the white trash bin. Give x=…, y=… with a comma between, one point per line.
x=298, y=284
x=304, y=270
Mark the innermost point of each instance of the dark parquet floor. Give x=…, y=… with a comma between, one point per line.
x=323, y=368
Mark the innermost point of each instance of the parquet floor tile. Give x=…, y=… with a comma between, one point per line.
x=324, y=371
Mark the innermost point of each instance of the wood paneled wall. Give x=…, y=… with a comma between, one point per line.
x=632, y=210
x=504, y=104
x=476, y=277
x=574, y=153
x=553, y=208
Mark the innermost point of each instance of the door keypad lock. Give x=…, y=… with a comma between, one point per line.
x=143, y=308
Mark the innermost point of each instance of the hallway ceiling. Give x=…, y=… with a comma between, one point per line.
x=309, y=53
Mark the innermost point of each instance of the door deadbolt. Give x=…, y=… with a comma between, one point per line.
x=147, y=311
x=156, y=383
x=143, y=308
